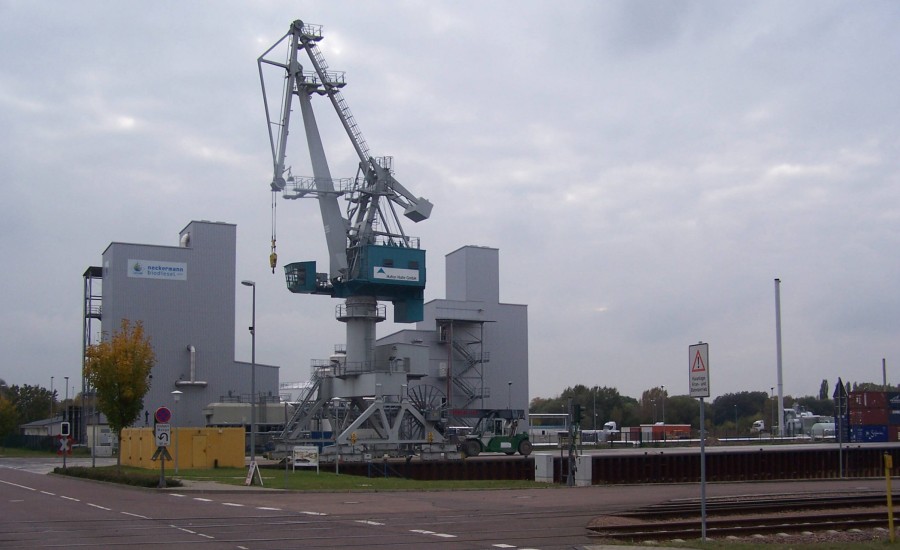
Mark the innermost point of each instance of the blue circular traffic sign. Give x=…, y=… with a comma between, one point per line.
x=163, y=415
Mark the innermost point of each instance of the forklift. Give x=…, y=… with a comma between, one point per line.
x=495, y=432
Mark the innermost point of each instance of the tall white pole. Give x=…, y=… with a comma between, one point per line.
x=252, y=285
x=778, y=353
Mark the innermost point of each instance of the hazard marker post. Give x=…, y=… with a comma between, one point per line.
x=698, y=381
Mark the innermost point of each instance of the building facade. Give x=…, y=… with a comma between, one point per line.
x=476, y=346
x=184, y=295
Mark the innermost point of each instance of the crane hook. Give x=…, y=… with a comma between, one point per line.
x=273, y=257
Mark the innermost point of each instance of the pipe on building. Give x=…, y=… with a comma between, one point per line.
x=193, y=380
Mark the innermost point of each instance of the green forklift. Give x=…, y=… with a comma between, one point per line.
x=496, y=432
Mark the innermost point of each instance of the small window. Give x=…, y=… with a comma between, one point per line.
x=388, y=262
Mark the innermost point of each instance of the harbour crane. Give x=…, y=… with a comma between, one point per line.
x=371, y=258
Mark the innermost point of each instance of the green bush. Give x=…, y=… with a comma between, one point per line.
x=114, y=475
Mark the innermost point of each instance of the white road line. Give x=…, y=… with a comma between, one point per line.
x=98, y=506
x=49, y=493
x=135, y=515
x=268, y=509
x=203, y=499
x=232, y=504
x=432, y=533
x=206, y=536
x=177, y=495
x=367, y=522
x=185, y=530
x=69, y=498
x=503, y=546
x=17, y=485
x=313, y=513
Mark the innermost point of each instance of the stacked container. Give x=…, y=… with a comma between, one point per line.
x=874, y=416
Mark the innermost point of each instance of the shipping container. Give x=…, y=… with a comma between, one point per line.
x=868, y=434
x=868, y=417
x=868, y=400
x=893, y=434
x=893, y=399
x=894, y=417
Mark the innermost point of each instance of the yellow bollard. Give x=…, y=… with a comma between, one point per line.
x=888, y=465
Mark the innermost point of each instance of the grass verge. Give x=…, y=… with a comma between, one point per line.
x=307, y=480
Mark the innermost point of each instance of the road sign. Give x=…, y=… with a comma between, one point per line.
x=840, y=398
x=698, y=355
x=163, y=434
x=161, y=452
x=65, y=444
x=163, y=415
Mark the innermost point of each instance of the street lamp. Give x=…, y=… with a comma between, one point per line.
x=176, y=396
x=735, y=421
x=509, y=395
x=252, y=285
x=664, y=395
x=66, y=413
x=51, y=398
x=772, y=426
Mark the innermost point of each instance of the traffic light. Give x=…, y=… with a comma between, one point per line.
x=577, y=414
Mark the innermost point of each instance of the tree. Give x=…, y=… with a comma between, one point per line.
x=9, y=418
x=31, y=402
x=118, y=368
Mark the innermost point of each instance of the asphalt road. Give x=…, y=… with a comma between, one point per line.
x=46, y=511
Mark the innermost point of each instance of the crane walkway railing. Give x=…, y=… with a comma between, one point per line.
x=343, y=109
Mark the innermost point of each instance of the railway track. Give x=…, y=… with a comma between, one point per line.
x=746, y=517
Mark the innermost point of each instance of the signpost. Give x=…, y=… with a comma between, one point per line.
x=65, y=446
x=698, y=381
x=163, y=433
x=840, y=415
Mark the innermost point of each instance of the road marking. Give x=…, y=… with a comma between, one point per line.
x=367, y=522
x=17, y=485
x=268, y=509
x=432, y=533
x=183, y=529
x=503, y=546
x=98, y=506
x=313, y=513
x=206, y=536
x=49, y=493
x=69, y=498
x=203, y=499
x=233, y=504
x=135, y=515
x=177, y=495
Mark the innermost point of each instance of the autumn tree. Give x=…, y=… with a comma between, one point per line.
x=9, y=417
x=118, y=368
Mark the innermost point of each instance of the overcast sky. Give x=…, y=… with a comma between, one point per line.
x=646, y=169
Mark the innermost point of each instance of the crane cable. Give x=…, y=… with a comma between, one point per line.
x=273, y=257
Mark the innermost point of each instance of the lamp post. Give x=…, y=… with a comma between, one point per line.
x=772, y=425
x=735, y=421
x=176, y=396
x=664, y=395
x=66, y=413
x=509, y=395
x=252, y=285
x=51, y=398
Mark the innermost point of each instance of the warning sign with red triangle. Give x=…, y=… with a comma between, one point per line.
x=698, y=357
x=698, y=365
